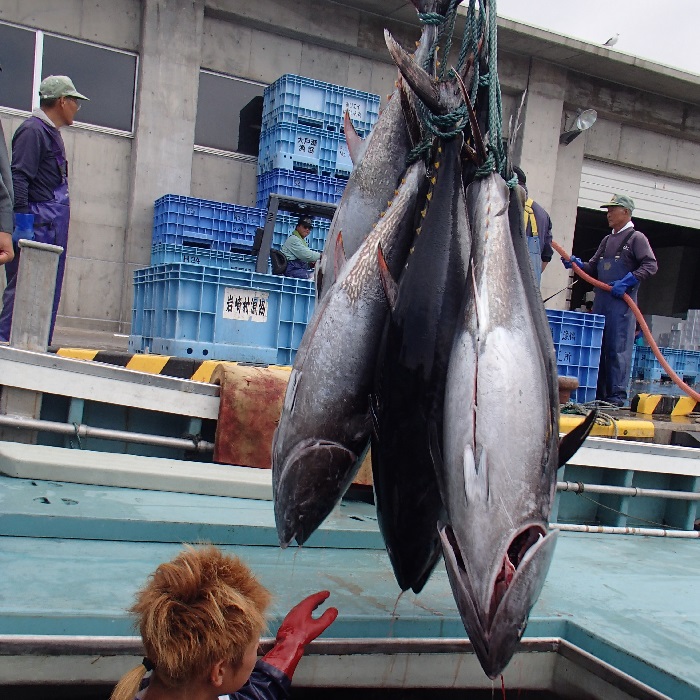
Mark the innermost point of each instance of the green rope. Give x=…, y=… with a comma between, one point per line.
x=431, y=18
x=469, y=41
x=448, y=31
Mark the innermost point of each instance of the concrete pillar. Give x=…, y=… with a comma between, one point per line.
x=541, y=126
x=563, y=213
x=553, y=171
x=161, y=157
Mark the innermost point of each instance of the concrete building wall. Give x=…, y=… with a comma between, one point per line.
x=99, y=164
x=114, y=179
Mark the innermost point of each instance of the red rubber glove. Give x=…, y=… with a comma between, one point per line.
x=298, y=629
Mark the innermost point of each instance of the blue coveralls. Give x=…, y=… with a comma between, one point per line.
x=298, y=269
x=51, y=220
x=618, y=334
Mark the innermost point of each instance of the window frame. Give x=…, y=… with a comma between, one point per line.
x=39, y=35
x=235, y=155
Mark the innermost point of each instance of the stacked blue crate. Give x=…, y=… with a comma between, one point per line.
x=577, y=341
x=204, y=224
x=200, y=248
x=214, y=313
x=303, y=152
x=685, y=363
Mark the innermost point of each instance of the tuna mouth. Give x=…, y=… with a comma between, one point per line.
x=519, y=551
x=496, y=631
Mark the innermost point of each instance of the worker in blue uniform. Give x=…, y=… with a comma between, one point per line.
x=300, y=258
x=40, y=182
x=538, y=228
x=200, y=617
x=624, y=259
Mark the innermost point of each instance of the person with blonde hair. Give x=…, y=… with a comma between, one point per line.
x=200, y=617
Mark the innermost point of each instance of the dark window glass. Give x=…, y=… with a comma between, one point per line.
x=229, y=114
x=106, y=77
x=17, y=61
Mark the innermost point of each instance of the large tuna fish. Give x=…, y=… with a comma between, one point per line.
x=500, y=446
x=380, y=162
x=324, y=429
x=412, y=366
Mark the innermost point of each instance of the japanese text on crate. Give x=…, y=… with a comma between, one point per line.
x=245, y=304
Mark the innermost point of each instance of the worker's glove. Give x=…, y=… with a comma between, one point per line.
x=571, y=260
x=24, y=227
x=620, y=287
x=298, y=629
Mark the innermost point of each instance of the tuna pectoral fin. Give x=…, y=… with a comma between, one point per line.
x=569, y=444
x=356, y=146
x=391, y=289
x=510, y=619
x=463, y=591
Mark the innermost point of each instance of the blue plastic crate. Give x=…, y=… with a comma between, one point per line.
x=645, y=366
x=202, y=223
x=162, y=253
x=300, y=185
x=293, y=99
x=577, y=341
x=207, y=312
x=296, y=147
x=285, y=224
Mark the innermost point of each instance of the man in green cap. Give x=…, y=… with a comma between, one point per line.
x=624, y=258
x=40, y=181
x=300, y=258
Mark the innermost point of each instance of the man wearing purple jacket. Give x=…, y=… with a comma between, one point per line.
x=624, y=259
x=40, y=180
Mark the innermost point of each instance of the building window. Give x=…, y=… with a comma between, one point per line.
x=107, y=76
x=17, y=61
x=229, y=113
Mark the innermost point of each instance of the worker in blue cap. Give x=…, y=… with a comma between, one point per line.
x=40, y=182
x=624, y=259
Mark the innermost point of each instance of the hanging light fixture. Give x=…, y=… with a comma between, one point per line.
x=584, y=119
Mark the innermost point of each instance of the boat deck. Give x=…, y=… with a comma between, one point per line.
x=72, y=555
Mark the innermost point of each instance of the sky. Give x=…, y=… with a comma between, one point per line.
x=663, y=31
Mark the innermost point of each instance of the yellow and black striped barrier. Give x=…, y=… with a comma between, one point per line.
x=662, y=404
x=179, y=367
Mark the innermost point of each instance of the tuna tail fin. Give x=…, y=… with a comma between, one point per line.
x=391, y=289
x=421, y=83
x=570, y=443
x=479, y=146
x=356, y=146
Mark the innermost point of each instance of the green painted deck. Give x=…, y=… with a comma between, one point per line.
x=71, y=557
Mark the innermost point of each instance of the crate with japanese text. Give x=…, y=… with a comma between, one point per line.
x=202, y=223
x=214, y=313
x=298, y=184
x=293, y=147
x=577, y=340
x=293, y=99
